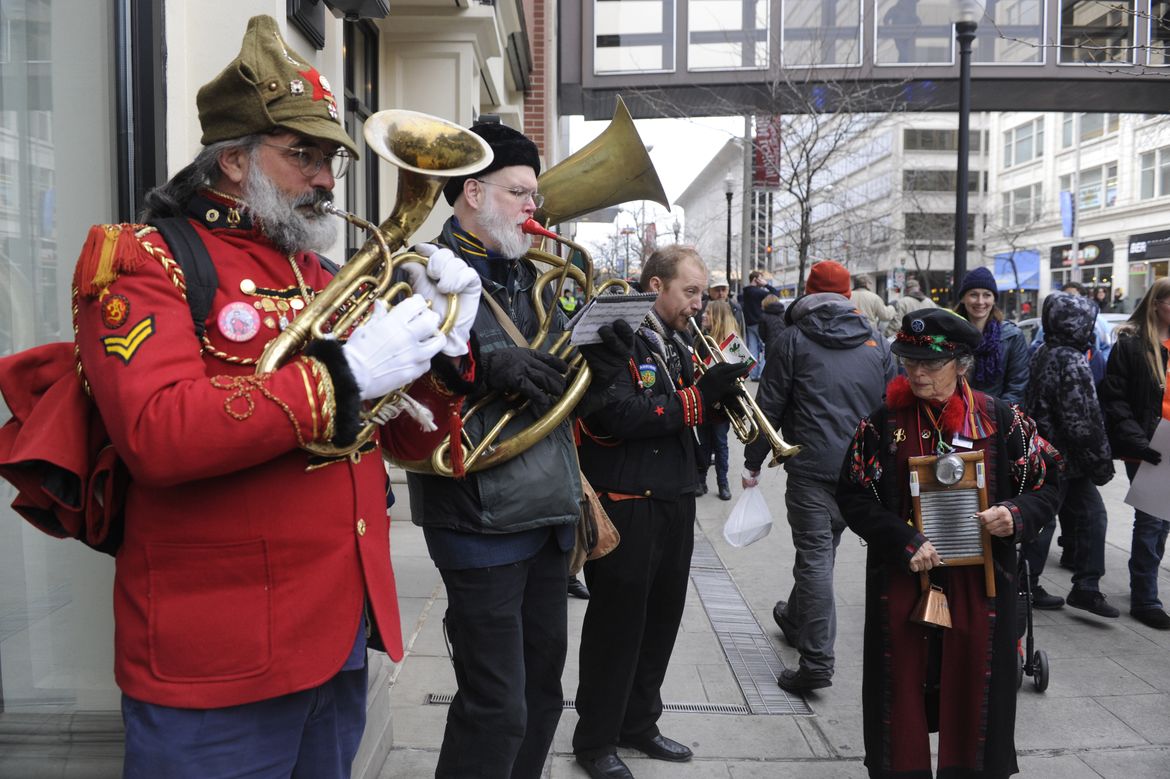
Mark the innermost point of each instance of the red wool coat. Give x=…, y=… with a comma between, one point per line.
x=246, y=562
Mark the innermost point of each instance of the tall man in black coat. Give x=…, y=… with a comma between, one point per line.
x=638, y=451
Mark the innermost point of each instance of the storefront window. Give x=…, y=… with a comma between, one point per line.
x=57, y=176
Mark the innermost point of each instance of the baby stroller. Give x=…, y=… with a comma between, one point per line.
x=1029, y=660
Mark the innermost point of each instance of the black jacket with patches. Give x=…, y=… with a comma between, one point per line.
x=1061, y=397
x=637, y=441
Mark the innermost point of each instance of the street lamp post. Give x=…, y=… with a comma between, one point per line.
x=968, y=13
x=728, y=189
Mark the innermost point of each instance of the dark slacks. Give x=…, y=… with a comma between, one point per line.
x=1081, y=501
x=508, y=631
x=636, y=604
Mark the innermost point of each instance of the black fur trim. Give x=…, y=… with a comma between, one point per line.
x=347, y=420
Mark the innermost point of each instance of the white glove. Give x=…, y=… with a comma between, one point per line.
x=446, y=274
x=393, y=347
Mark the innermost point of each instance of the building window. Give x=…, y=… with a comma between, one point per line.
x=941, y=181
x=727, y=34
x=1159, y=21
x=1011, y=32
x=361, y=101
x=911, y=33
x=1155, y=173
x=633, y=36
x=1021, y=206
x=939, y=140
x=821, y=33
x=1097, y=187
x=1093, y=126
x=1024, y=143
x=1095, y=32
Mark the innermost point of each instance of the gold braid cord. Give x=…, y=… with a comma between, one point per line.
x=241, y=390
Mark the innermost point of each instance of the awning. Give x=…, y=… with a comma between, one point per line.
x=1025, y=263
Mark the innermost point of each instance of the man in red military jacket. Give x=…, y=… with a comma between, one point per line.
x=252, y=574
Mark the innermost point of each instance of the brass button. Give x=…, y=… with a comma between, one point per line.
x=273, y=86
x=361, y=527
x=647, y=493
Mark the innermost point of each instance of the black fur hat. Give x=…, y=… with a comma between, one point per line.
x=511, y=147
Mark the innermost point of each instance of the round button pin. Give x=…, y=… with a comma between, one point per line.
x=238, y=322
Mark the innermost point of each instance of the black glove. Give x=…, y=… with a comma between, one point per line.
x=719, y=381
x=609, y=358
x=533, y=374
x=1150, y=456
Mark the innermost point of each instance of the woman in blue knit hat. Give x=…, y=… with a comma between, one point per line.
x=1001, y=360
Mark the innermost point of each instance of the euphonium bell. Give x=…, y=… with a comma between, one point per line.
x=427, y=150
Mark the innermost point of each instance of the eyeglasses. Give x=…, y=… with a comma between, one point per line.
x=519, y=193
x=930, y=366
x=310, y=159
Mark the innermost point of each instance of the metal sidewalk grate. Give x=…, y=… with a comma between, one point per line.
x=749, y=651
x=444, y=699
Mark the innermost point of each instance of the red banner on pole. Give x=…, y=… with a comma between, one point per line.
x=766, y=157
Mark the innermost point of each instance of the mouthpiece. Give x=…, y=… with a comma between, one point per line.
x=533, y=227
x=326, y=208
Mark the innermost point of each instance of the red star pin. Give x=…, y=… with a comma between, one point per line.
x=314, y=77
x=659, y=410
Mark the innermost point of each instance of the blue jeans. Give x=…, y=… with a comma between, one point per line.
x=713, y=440
x=312, y=734
x=755, y=345
x=1145, y=555
x=817, y=525
x=1080, y=501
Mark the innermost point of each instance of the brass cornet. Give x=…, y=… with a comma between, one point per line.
x=747, y=420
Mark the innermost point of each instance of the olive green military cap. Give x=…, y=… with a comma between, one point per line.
x=268, y=85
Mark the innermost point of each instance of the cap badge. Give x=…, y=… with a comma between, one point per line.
x=918, y=325
x=296, y=86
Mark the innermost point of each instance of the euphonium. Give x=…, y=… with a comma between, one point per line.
x=747, y=419
x=428, y=151
x=613, y=168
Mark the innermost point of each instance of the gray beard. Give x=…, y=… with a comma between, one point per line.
x=510, y=241
x=276, y=212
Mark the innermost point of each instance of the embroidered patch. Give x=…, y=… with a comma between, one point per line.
x=125, y=346
x=659, y=410
x=648, y=372
x=115, y=311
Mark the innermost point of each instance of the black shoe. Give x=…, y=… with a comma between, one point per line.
x=1092, y=602
x=605, y=767
x=702, y=489
x=724, y=492
x=1155, y=618
x=799, y=681
x=578, y=589
x=660, y=748
x=782, y=622
x=1042, y=599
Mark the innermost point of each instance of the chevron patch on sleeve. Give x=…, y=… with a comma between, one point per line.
x=125, y=346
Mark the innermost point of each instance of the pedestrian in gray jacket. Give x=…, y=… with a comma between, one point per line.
x=828, y=370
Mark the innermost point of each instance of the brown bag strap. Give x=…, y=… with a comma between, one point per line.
x=504, y=320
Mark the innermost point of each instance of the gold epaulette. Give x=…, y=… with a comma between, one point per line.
x=109, y=251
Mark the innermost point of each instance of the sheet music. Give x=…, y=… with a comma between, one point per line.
x=604, y=310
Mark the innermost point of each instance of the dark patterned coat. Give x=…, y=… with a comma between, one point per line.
x=974, y=708
x=1061, y=396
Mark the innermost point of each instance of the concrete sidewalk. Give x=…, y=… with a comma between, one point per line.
x=1106, y=712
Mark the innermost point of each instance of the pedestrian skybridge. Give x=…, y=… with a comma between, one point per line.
x=730, y=57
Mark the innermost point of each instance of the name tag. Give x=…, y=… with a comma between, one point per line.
x=959, y=442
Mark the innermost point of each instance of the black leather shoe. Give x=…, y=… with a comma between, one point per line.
x=1092, y=602
x=605, y=767
x=783, y=623
x=578, y=589
x=660, y=748
x=1044, y=600
x=1154, y=617
x=702, y=489
x=724, y=492
x=798, y=681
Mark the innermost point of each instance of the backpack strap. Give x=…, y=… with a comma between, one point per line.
x=188, y=250
x=329, y=265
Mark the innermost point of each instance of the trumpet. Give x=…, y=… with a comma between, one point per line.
x=747, y=419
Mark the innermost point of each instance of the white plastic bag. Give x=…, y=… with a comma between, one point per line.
x=750, y=519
